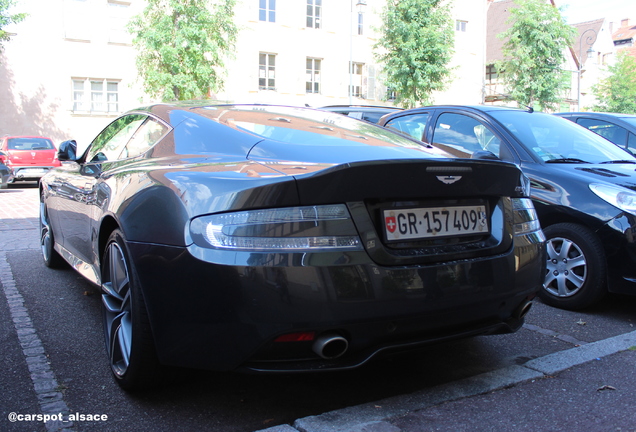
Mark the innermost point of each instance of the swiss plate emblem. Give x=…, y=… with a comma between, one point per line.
x=391, y=223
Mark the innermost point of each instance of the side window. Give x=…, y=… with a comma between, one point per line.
x=607, y=130
x=462, y=135
x=631, y=142
x=145, y=137
x=109, y=144
x=412, y=125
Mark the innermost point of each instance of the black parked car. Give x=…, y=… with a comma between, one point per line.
x=279, y=239
x=583, y=188
x=618, y=128
x=5, y=174
x=370, y=113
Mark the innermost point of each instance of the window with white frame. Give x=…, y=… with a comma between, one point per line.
x=460, y=26
x=360, y=23
x=118, y=16
x=355, y=89
x=313, y=75
x=266, y=71
x=267, y=10
x=95, y=95
x=314, y=8
x=76, y=19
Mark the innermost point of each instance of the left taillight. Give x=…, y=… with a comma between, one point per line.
x=291, y=229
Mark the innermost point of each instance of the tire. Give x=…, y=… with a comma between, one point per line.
x=128, y=337
x=52, y=258
x=576, y=270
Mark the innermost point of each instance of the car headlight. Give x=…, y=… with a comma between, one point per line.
x=525, y=218
x=624, y=199
x=292, y=229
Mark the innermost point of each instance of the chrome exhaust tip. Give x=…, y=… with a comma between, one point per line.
x=330, y=346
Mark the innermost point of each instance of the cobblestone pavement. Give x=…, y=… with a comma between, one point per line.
x=19, y=213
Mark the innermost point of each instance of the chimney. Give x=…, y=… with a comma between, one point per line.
x=625, y=22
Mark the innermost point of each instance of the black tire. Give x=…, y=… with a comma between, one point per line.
x=129, y=343
x=576, y=270
x=52, y=258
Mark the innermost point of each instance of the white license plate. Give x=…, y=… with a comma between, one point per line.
x=31, y=171
x=423, y=223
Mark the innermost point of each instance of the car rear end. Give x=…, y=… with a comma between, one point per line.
x=374, y=256
x=29, y=157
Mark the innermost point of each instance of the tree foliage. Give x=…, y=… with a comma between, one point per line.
x=181, y=46
x=534, y=53
x=6, y=18
x=415, y=48
x=617, y=92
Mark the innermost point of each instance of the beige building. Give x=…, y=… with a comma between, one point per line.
x=70, y=69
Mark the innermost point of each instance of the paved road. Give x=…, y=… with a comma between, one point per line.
x=563, y=371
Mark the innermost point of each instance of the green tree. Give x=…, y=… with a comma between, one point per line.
x=534, y=53
x=617, y=92
x=415, y=48
x=6, y=19
x=181, y=46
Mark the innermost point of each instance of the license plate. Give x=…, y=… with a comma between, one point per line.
x=31, y=171
x=429, y=222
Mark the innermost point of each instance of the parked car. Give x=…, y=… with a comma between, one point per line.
x=5, y=174
x=617, y=128
x=583, y=188
x=282, y=239
x=29, y=157
x=368, y=113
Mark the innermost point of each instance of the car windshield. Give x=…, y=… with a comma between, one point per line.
x=25, y=143
x=555, y=139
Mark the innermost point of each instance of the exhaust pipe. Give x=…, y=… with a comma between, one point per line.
x=330, y=346
x=522, y=310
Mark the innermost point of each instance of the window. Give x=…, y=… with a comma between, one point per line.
x=267, y=10
x=607, y=130
x=77, y=20
x=118, y=16
x=355, y=89
x=491, y=73
x=391, y=94
x=462, y=135
x=96, y=95
x=412, y=125
x=266, y=71
x=460, y=26
x=145, y=137
x=360, y=23
x=109, y=144
x=313, y=13
x=313, y=75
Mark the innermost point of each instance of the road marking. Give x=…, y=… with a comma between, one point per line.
x=46, y=387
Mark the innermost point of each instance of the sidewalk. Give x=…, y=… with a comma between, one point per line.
x=19, y=218
x=588, y=388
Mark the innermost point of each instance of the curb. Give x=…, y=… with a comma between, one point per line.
x=371, y=417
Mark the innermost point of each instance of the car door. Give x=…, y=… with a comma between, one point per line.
x=77, y=207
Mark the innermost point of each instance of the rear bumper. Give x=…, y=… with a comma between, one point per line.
x=28, y=173
x=226, y=316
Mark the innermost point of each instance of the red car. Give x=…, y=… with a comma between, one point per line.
x=29, y=157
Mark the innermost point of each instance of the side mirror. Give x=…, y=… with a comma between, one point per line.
x=67, y=151
x=484, y=154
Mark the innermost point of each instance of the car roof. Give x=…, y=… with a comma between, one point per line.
x=595, y=114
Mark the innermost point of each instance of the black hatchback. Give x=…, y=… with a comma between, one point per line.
x=583, y=187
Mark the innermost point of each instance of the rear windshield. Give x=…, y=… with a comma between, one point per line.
x=30, y=144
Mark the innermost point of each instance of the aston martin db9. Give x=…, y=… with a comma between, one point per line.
x=283, y=239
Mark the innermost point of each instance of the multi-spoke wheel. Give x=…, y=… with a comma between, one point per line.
x=576, y=267
x=52, y=259
x=126, y=327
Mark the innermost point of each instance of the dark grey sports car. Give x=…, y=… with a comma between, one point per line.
x=283, y=239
